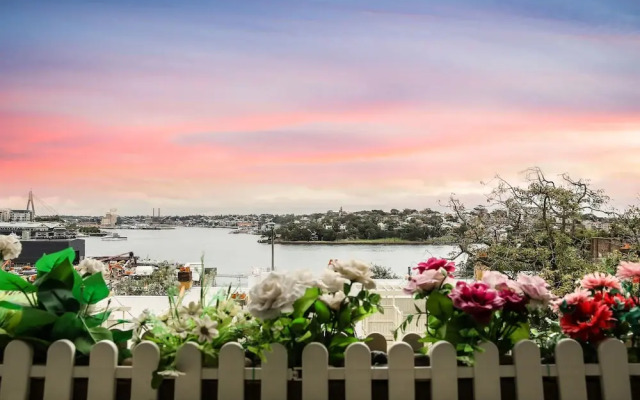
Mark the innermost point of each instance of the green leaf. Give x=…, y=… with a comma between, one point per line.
x=55, y=297
x=522, y=333
x=299, y=324
x=99, y=333
x=83, y=344
x=342, y=341
x=94, y=289
x=10, y=306
x=374, y=298
x=48, y=261
x=62, y=272
x=305, y=302
x=67, y=326
x=33, y=319
x=304, y=337
x=440, y=306
x=322, y=311
x=344, y=318
x=96, y=319
x=120, y=336
x=9, y=281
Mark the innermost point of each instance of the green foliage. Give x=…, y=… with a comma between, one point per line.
x=313, y=321
x=380, y=272
x=158, y=283
x=60, y=304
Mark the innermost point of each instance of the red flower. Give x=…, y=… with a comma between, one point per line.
x=436, y=263
x=588, y=322
x=477, y=300
x=613, y=300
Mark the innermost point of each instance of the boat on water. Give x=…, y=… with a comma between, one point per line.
x=114, y=236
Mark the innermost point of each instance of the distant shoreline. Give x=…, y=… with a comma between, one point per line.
x=377, y=242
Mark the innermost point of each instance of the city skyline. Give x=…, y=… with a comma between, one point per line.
x=308, y=106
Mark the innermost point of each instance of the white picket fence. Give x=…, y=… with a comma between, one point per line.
x=315, y=375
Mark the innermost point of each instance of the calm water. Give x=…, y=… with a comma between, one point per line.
x=238, y=254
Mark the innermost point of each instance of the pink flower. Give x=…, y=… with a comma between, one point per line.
x=600, y=281
x=477, y=300
x=579, y=295
x=536, y=289
x=513, y=301
x=499, y=281
x=436, y=263
x=629, y=271
x=426, y=281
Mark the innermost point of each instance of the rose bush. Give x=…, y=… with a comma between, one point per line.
x=295, y=309
x=496, y=309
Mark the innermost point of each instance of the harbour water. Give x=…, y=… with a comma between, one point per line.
x=239, y=254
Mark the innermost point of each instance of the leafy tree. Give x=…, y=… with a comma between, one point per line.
x=535, y=227
x=380, y=272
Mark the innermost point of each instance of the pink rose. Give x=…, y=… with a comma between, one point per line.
x=536, y=289
x=499, y=281
x=578, y=296
x=629, y=271
x=427, y=281
x=477, y=300
x=436, y=263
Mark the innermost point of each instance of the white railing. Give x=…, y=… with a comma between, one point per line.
x=315, y=377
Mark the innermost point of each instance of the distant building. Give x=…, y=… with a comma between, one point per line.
x=7, y=215
x=110, y=218
x=32, y=250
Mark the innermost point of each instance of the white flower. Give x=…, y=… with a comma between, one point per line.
x=305, y=278
x=179, y=328
x=333, y=281
x=355, y=271
x=193, y=309
x=171, y=372
x=333, y=300
x=91, y=266
x=10, y=247
x=275, y=294
x=205, y=329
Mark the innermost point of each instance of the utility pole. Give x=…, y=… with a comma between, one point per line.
x=273, y=239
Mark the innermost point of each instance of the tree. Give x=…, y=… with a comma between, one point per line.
x=380, y=272
x=535, y=227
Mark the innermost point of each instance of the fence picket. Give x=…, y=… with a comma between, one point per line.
x=401, y=372
x=189, y=362
x=18, y=357
x=486, y=373
x=103, y=361
x=526, y=357
x=357, y=372
x=414, y=341
x=376, y=342
x=444, y=371
x=58, y=379
x=231, y=372
x=274, y=374
x=571, y=372
x=315, y=372
x=614, y=370
x=146, y=356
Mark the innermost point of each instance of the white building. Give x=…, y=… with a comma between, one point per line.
x=20, y=216
x=5, y=215
x=110, y=218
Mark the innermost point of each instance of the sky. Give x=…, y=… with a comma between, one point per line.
x=300, y=106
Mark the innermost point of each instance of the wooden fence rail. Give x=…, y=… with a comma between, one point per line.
x=315, y=377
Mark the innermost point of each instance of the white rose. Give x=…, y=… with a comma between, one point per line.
x=333, y=281
x=355, y=271
x=274, y=295
x=91, y=266
x=10, y=247
x=333, y=300
x=305, y=278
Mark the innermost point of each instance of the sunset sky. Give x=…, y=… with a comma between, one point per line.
x=276, y=106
